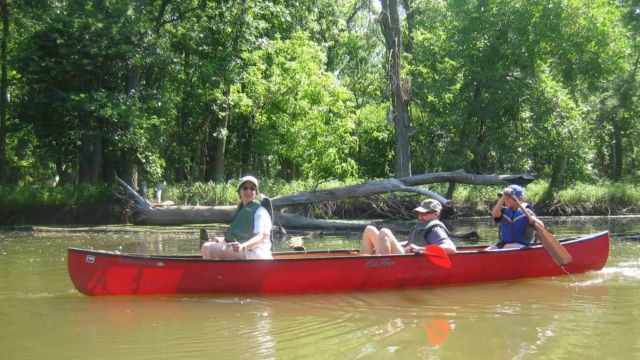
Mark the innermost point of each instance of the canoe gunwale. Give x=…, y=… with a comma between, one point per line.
x=331, y=254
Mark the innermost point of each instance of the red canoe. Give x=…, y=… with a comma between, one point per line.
x=111, y=273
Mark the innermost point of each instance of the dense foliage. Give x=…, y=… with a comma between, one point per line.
x=194, y=90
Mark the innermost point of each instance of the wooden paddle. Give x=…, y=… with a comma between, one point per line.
x=558, y=253
x=437, y=255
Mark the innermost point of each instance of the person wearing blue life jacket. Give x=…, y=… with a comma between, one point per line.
x=249, y=234
x=514, y=227
x=429, y=231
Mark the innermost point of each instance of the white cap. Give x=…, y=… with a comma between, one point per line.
x=250, y=179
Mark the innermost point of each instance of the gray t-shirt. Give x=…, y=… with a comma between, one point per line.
x=437, y=236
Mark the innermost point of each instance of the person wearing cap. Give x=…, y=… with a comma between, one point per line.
x=249, y=234
x=429, y=231
x=514, y=229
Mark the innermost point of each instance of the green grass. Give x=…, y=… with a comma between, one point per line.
x=581, y=198
x=601, y=194
x=56, y=196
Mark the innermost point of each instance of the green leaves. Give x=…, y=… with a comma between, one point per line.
x=298, y=89
x=302, y=113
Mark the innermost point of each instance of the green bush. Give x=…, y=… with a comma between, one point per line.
x=600, y=194
x=14, y=196
x=579, y=199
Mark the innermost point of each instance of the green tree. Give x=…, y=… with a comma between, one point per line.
x=4, y=85
x=501, y=86
x=616, y=103
x=304, y=117
x=73, y=69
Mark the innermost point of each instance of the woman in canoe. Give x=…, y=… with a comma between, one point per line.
x=249, y=235
x=429, y=231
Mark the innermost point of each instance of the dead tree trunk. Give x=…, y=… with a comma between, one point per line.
x=178, y=215
x=400, y=88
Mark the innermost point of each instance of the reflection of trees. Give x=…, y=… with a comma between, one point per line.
x=260, y=333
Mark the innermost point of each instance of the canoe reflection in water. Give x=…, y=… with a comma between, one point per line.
x=504, y=320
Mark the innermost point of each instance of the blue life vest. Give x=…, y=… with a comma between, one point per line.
x=513, y=227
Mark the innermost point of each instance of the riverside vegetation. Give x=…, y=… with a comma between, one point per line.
x=101, y=204
x=313, y=90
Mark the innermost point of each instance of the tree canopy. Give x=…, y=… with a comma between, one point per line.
x=197, y=90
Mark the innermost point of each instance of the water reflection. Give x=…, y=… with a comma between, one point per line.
x=238, y=328
x=44, y=317
x=437, y=330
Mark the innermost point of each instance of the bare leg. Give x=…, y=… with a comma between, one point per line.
x=369, y=237
x=380, y=242
x=388, y=244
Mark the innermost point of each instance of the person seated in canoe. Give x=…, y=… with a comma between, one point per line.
x=514, y=229
x=429, y=231
x=249, y=234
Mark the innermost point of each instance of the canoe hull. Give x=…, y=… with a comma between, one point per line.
x=108, y=273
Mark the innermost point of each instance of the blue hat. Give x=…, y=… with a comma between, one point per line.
x=516, y=190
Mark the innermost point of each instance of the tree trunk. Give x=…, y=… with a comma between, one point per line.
x=63, y=176
x=476, y=113
x=287, y=169
x=616, y=152
x=220, y=137
x=179, y=215
x=410, y=25
x=129, y=165
x=129, y=168
x=90, y=159
x=108, y=166
x=15, y=172
x=247, y=145
x=559, y=172
x=406, y=184
x=621, y=123
x=4, y=85
x=400, y=88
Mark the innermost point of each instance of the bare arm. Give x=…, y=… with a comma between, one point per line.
x=256, y=240
x=496, y=212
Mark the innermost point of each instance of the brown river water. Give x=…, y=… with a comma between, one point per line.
x=589, y=316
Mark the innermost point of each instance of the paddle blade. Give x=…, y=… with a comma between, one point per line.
x=437, y=255
x=558, y=252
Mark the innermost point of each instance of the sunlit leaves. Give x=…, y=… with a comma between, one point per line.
x=502, y=84
x=302, y=113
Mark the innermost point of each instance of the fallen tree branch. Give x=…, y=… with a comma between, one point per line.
x=141, y=203
x=179, y=215
x=406, y=184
